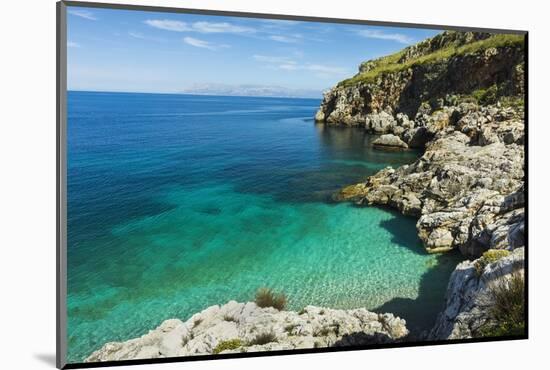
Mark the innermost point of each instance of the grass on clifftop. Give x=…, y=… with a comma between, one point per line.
x=391, y=63
x=265, y=297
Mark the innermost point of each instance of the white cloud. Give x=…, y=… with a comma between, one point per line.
x=137, y=35
x=168, y=25
x=222, y=27
x=284, y=39
x=375, y=34
x=288, y=64
x=141, y=36
x=272, y=59
x=200, y=27
x=326, y=69
x=71, y=44
x=280, y=22
x=198, y=43
x=203, y=44
x=289, y=67
x=86, y=14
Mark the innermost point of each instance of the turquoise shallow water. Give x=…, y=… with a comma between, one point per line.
x=180, y=202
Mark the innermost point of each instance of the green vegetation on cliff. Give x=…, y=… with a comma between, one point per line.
x=488, y=257
x=506, y=308
x=227, y=345
x=395, y=63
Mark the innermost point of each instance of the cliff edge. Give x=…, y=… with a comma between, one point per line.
x=458, y=96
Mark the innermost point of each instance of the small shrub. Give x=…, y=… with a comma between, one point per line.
x=322, y=333
x=486, y=96
x=265, y=297
x=506, y=307
x=515, y=102
x=321, y=312
x=478, y=94
x=197, y=322
x=227, y=345
x=263, y=338
x=302, y=311
x=289, y=328
x=490, y=256
x=229, y=318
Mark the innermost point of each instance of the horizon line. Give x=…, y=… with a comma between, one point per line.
x=193, y=94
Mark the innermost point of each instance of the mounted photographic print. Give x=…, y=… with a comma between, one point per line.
x=235, y=184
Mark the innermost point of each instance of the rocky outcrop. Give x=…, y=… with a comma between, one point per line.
x=390, y=140
x=467, y=187
x=474, y=156
x=455, y=64
x=468, y=296
x=460, y=97
x=245, y=327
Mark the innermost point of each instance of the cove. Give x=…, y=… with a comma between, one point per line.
x=179, y=202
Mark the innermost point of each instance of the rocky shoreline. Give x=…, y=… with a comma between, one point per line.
x=457, y=96
x=467, y=189
x=245, y=327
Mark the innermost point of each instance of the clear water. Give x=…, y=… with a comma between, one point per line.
x=176, y=203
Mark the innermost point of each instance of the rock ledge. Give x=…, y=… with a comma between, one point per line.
x=249, y=325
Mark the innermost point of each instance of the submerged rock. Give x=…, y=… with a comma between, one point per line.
x=390, y=140
x=245, y=327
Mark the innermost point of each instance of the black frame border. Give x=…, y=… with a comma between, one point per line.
x=61, y=226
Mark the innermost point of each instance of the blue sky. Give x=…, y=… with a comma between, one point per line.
x=135, y=51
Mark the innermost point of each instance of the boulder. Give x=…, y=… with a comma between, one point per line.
x=390, y=140
x=380, y=123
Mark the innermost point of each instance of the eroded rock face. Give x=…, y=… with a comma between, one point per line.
x=203, y=332
x=407, y=89
x=467, y=296
x=467, y=191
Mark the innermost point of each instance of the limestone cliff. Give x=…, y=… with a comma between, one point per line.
x=449, y=65
x=459, y=96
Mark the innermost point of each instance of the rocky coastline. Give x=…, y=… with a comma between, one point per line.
x=456, y=96
x=467, y=189
x=245, y=327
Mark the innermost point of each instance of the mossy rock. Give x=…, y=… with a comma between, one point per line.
x=351, y=192
x=227, y=345
x=488, y=257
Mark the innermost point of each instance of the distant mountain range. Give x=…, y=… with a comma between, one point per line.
x=251, y=90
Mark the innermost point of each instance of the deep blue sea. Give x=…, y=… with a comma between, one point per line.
x=179, y=202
